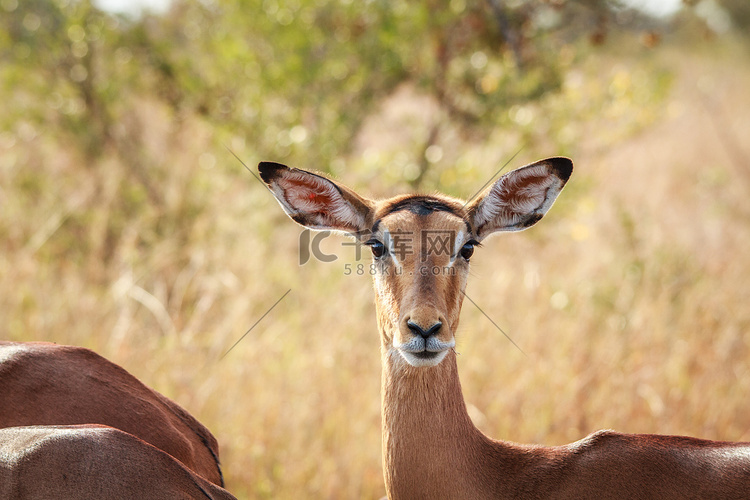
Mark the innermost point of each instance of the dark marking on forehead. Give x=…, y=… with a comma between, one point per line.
x=422, y=205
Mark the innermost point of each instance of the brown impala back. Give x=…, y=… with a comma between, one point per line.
x=90, y=462
x=49, y=384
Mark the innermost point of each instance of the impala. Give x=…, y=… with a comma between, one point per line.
x=431, y=448
x=49, y=384
x=90, y=462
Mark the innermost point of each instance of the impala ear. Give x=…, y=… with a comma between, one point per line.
x=315, y=201
x=519, y=199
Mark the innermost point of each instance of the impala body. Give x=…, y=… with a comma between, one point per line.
x=90, y=462
x=49, y=384
x=431, y=448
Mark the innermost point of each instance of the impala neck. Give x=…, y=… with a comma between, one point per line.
x=431, y=448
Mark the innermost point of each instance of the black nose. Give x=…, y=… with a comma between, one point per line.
x=418, y=330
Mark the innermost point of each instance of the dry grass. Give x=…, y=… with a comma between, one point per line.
x=630, y=299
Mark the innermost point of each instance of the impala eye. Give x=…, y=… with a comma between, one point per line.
x=468, y=249
x=377, y=247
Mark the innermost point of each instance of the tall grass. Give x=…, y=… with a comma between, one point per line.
x=630, y=300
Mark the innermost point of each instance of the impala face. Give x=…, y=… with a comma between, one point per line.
x=421, y=245
x=421, y=250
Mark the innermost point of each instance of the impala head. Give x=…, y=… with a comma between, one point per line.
x=421, y=245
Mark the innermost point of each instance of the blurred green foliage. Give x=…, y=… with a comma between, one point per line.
x=281, y=74
x=291, y=81
x=295, y=79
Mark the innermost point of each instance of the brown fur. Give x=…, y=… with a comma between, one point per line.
x=91, y=463
x=431, y=449
x=49, y=384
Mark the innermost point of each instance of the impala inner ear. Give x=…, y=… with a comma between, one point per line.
x=519, y=199
x=315, y=201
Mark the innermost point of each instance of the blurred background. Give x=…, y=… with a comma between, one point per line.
x=128, y=226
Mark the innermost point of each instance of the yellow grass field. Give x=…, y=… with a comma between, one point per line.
x=630, y=300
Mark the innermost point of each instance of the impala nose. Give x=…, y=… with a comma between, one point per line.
x=418, y=330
